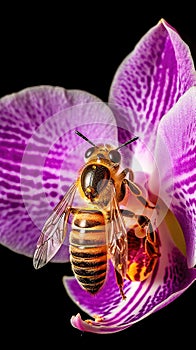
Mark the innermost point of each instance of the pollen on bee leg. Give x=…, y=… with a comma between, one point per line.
x=139, y=232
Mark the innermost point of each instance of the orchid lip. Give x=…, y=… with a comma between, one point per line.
x=109, y=320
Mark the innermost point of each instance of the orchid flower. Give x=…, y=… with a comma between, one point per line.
x=153, y=97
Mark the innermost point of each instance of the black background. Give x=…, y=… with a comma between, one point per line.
x=76, y=48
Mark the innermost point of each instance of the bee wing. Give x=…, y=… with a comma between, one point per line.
x=117, y=236
x=54, y=230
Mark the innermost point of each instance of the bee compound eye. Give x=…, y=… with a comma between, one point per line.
x=89, y=152
x=114, y=156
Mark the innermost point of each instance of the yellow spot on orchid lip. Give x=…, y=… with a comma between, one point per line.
x=89, y=321
x=98, y=318
x=173, y=226
x=176, y=231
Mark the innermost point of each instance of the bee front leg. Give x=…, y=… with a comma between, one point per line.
x=125, y=172
x=137, y=192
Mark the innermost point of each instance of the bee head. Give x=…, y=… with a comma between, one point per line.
x=104, y=152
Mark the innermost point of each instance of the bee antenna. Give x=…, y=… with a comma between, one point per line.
x=85, y=138
x=128, y=142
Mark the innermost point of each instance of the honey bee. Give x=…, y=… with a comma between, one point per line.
x=99, y=231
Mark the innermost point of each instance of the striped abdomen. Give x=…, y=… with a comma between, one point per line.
x=88, y=251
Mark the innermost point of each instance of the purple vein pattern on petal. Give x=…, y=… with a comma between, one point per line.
x=40, y=155
x=149, y=82
x=169, y=280
x=177, y=135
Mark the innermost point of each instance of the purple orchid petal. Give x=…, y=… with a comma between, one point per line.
x=169, y=280
x=177, y=138
x=40, y=156
x=148, y=83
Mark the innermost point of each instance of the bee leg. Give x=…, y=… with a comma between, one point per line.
x=125, y=172
x=119, y=280
x=128, y=213
x=151, y=243
x=142, y=221
x=137, y=192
